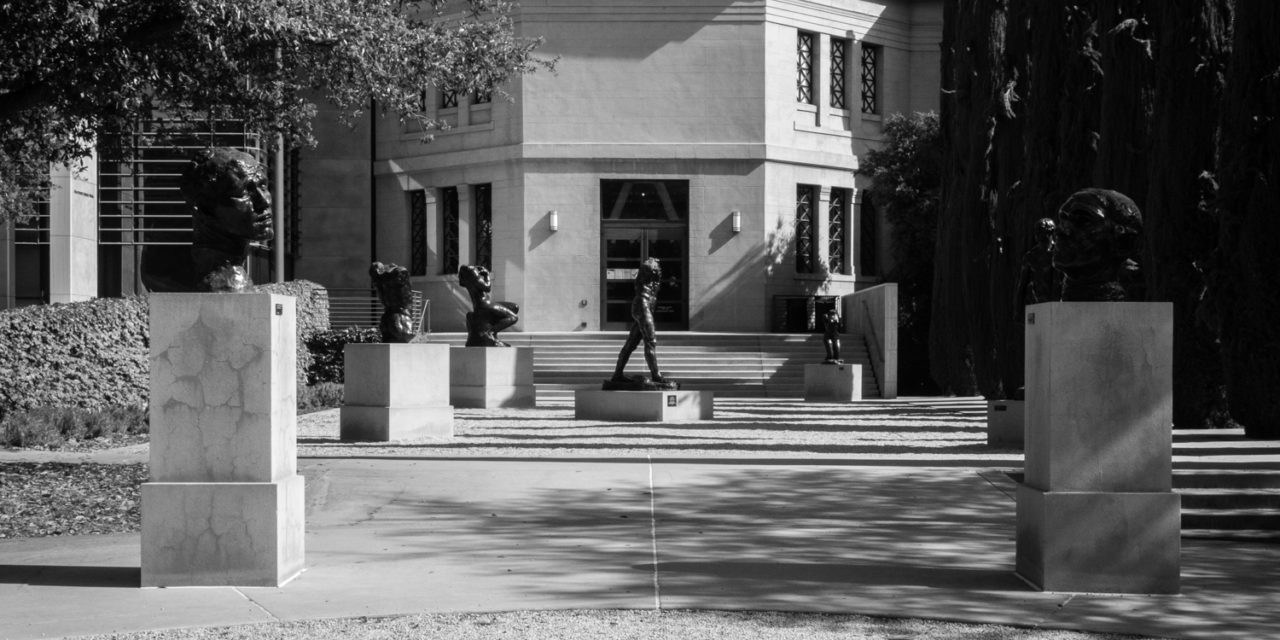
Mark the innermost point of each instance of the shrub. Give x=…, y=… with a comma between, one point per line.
x=53, y=426
x=325, y=395
x=312, y=304
x=326, y=349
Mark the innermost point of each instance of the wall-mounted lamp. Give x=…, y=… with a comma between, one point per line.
x=553, y=220
x=737, y=221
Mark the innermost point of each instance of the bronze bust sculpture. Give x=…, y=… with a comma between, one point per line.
x=392, y=283
x=229, y=193
x=648, y=280
x=831, y=336
x=1095, y=243
x=487, y=317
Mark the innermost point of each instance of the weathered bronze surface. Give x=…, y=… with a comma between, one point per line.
x=831, y=336
x=487, y=317
x=1095, y=245
x=232, y=211
x=1037, y=281
x=648, y=281
x=392, y=283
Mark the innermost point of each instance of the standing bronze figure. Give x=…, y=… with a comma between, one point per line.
x=1095, y=243
x=232, y=212
x=648, y=281
x=487, y=317
x=831, y=336
x=392, y=284
x=1037, y=279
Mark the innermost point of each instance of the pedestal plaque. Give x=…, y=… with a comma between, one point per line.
x=395, y=392
x=1097, y=511
x=832, y=382
x=225, y=506
x=643, y=406
x=488, y=377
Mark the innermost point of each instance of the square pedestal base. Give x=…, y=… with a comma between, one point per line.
x=832, y=382
x=382, y=424
x=1099, y=542
x=217, y=534
x=643, y=406
x=1005, y=422
x=488, y=377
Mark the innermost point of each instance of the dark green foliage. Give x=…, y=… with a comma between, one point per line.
x=320, y=396
x=54, y=426
x=56, y=498
x=87, y=355
x=312, y=302
x=326, y=349
x=906, y=178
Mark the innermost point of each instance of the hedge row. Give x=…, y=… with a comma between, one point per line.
x=326, y=347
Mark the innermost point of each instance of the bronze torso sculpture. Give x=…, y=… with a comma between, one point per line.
x=487, y=317
x=1095, y=244
x=648, y=280
x=831, y=336
x=392, y=284
x=228, y=191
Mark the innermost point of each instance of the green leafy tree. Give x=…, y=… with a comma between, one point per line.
x=73, y=69
x=905, y=180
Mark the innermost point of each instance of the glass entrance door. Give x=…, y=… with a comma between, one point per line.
x=624, y=248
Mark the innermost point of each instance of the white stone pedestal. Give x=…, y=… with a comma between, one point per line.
x=643, y=406
x=1006, y=420
x=832, y=382
x=1097, y=510
x=395, y=392
x=488, y=377
x=225, y=506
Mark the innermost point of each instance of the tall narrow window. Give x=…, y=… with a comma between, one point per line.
x=806, y=261
x=418, y=232
x=839, y=66
x=870, y=71
x=838, y=230
x=482, y=195
x=448, y=230
x=868, y=229
x=448, y=99
x=804, y=67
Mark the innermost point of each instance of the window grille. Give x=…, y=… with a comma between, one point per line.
x=839, y=51
x=870, y=69
x=448, y=99
x=449, y=230
x=804, y=67
x=483, y=195
x=418, y=232
x=35, y=229
x=805, y=228
x=484, y=96
x=868, y=228
x=837, y=230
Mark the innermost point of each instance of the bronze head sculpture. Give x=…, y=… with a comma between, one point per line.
x=1095, y=243
x=487, y=317
x=392, y=283
x=648, y=281
x=229, y=194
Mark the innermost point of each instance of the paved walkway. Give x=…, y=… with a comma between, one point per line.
x=435, y=534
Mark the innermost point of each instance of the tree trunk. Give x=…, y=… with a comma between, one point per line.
x=1247, y=287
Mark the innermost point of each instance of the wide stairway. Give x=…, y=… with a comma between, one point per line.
x=760, y=365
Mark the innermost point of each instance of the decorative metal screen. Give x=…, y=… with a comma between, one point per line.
x=868, y=228
x=418, y=232
x=482, y=97
x=837, y=230
x=483, y=195
x=806, y=261
x=870, y=67
x=804, y=67
x=448, y=99
x=35, y=229
x=839, y=56
x=448, y=205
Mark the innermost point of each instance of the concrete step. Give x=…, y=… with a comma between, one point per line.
x=1228, y=499
x=1226, y=479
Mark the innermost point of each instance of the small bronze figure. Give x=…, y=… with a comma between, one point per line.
x=228, y=191
x=831, y=336
x=1037, y=279
x=648, y=281
x=487, y=317
x=392, y=284
x=1095, y=244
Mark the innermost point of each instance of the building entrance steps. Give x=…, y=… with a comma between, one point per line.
x=750, y=365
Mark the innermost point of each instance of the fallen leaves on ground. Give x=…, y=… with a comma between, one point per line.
x=58, y=498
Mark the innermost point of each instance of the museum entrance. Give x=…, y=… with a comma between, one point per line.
x=643, y=219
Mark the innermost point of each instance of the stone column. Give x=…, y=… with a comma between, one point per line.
x=225, y=504
x=73, y=232
x=1096, y=510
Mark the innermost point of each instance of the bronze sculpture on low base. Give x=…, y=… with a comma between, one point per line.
x=831, y=336
x=648, y=281
x=392, y=283
x=487, y=317
x=232, y=213
x=1096, y=241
